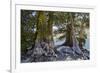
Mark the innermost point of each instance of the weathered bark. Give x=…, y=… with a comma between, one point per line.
x=44, y=46
x=69, y=36
x=69, y=31
x=41, y=26
x=49, y=29
x=81, y=36
x=44, y=27
x=76, y=47
x=74, y=40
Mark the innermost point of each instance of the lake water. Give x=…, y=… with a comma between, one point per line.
x=87, y=44
x=59, y=42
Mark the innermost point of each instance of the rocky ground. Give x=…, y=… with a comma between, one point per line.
x=61, y=53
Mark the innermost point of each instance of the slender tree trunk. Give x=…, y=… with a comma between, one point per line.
x=81, y=36
x=69, y=31
x=69, y=35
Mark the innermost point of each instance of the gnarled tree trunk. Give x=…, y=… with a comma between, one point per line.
x=44, y=46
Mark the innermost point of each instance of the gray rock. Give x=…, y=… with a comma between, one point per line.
x=65, y=49
x=62, y=53
x=67, y=53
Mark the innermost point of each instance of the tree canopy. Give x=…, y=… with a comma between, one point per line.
x=45, y=26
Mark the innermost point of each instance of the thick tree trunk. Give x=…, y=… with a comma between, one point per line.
x=44, y=46
x=71, y=38
x=75, y=47
x=49, y=30
x=74, y=40
x=44, y=28
x=41, y=26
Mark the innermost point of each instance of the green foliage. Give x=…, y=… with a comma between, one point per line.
x=27, y=24
x=42, y=22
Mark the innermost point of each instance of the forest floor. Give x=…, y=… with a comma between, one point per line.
x=59, y=53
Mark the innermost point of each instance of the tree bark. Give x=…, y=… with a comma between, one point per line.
x=73, y=42
x=69, y=31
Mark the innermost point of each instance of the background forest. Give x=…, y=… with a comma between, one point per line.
x=54, y=36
